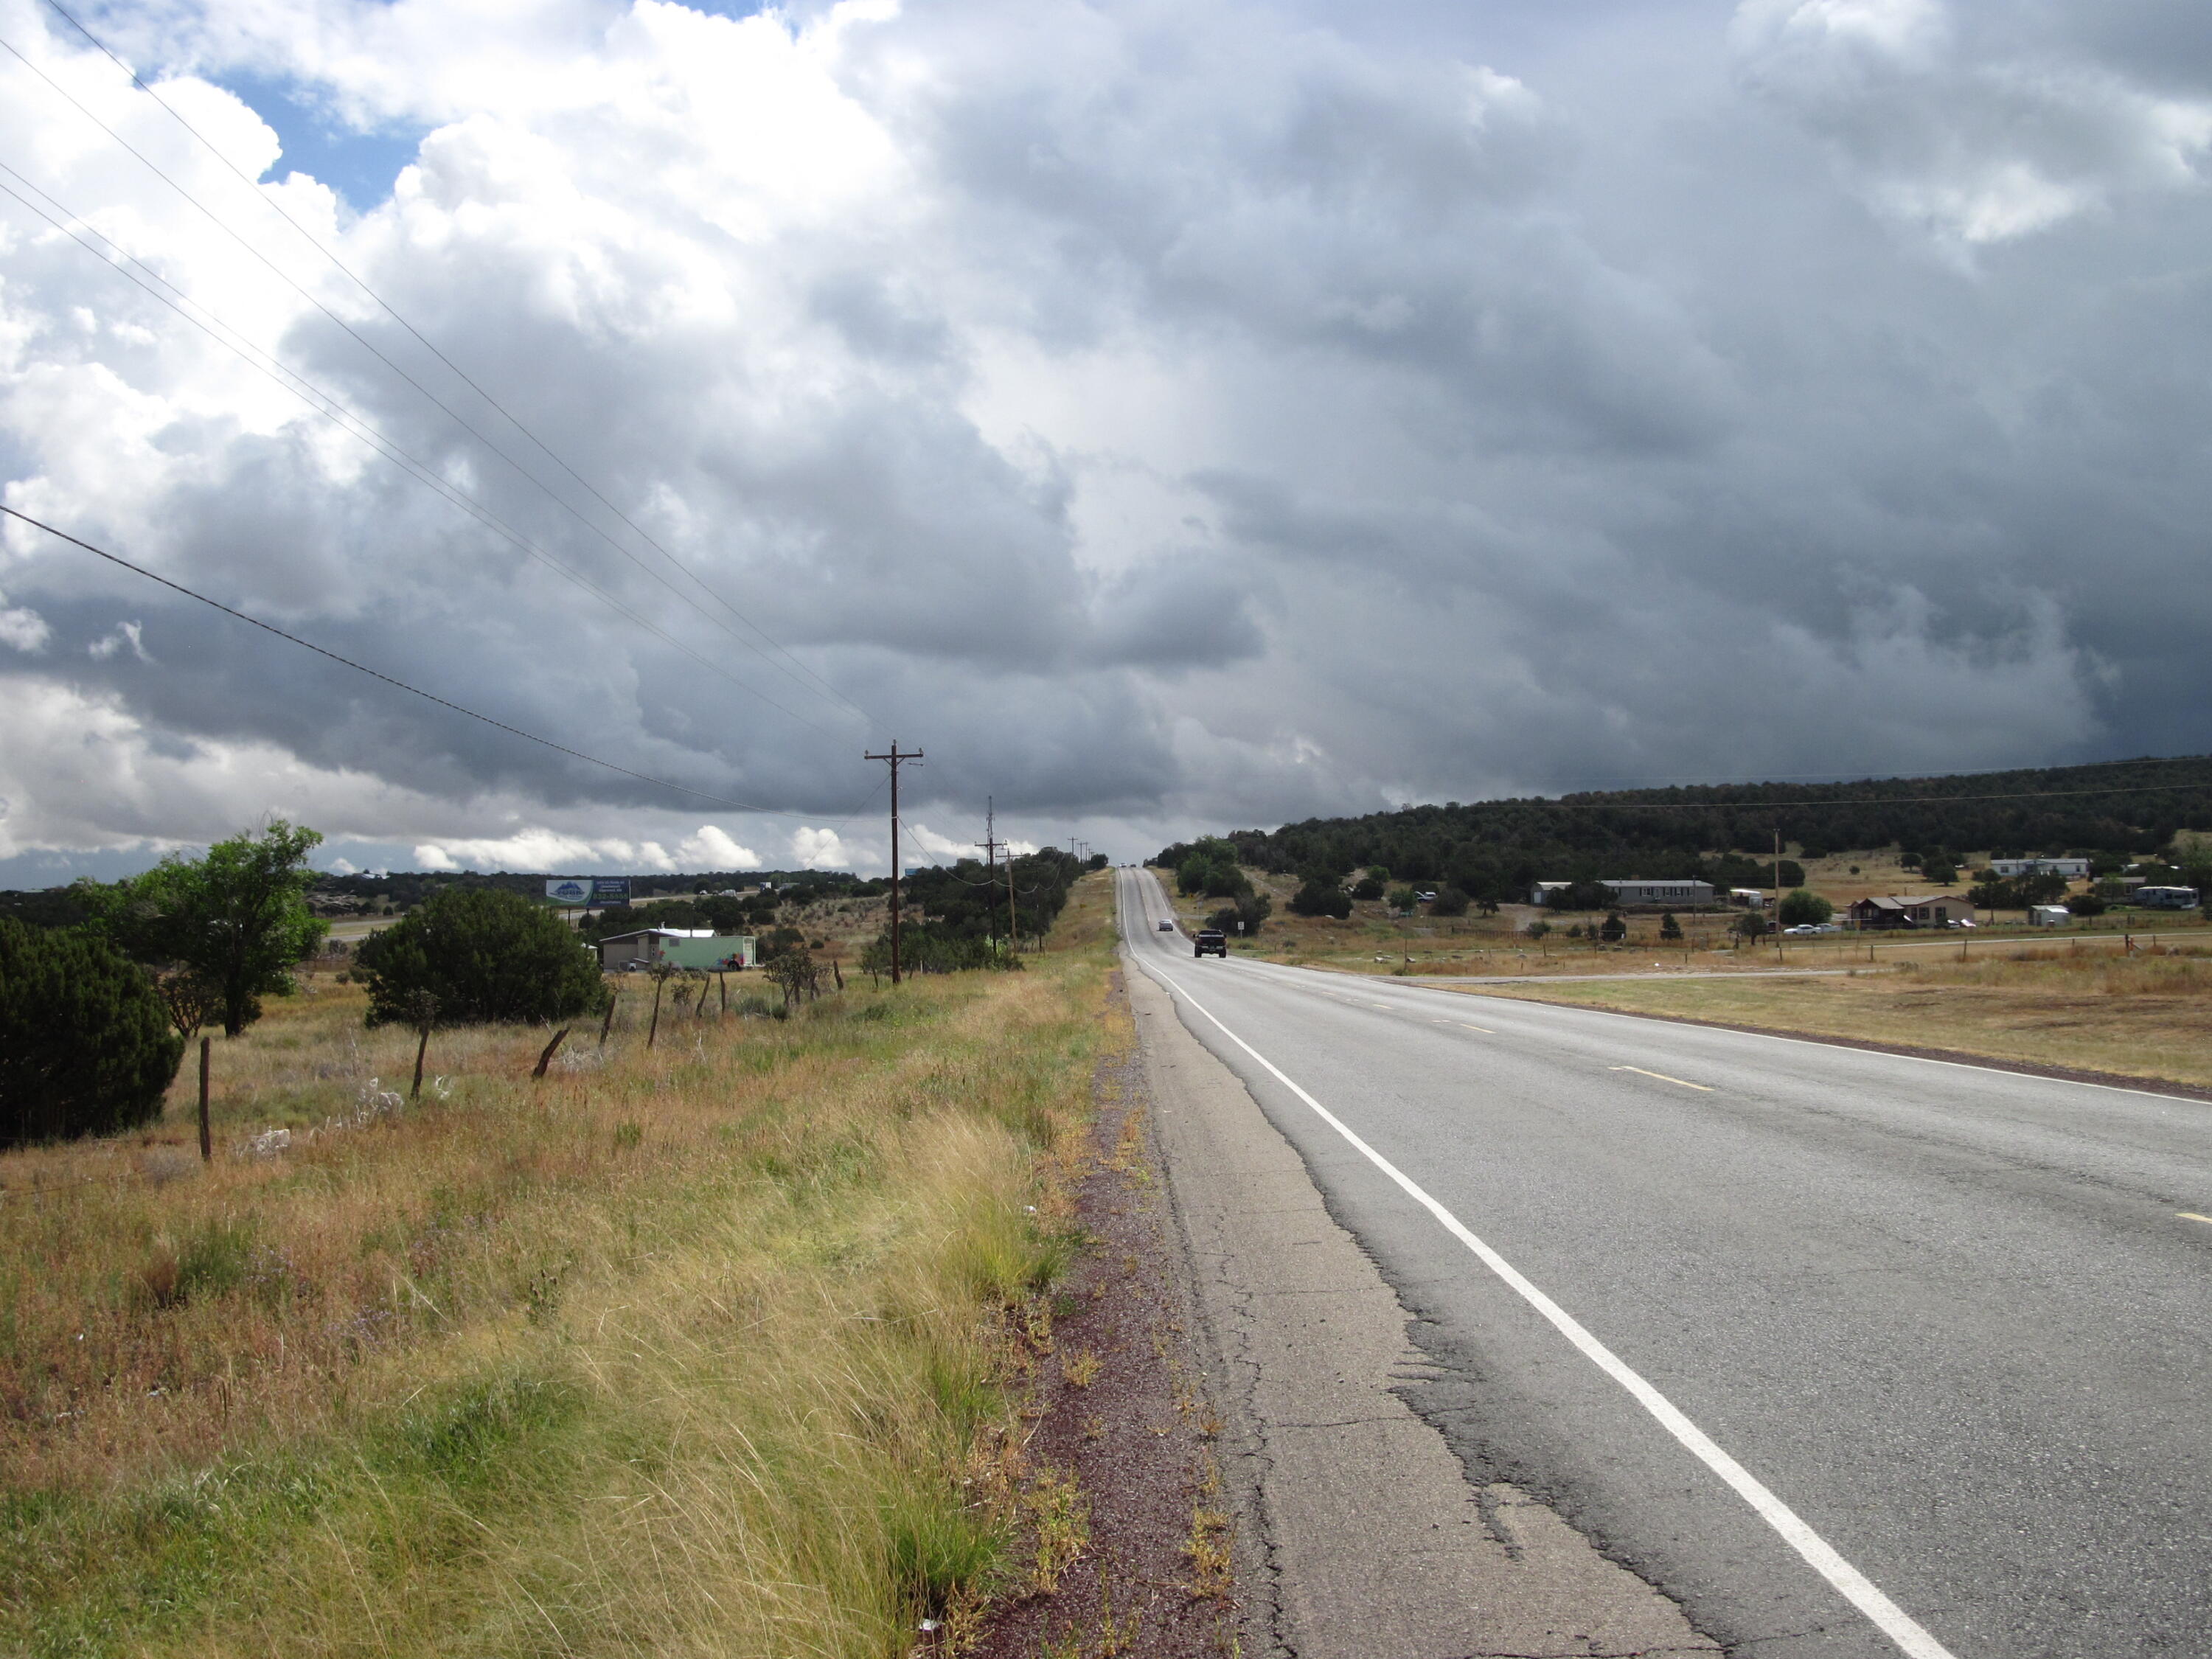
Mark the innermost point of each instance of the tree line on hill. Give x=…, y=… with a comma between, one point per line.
x=965, y=912
x=1496, y=851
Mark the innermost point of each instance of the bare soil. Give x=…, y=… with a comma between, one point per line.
x=1127, y=1535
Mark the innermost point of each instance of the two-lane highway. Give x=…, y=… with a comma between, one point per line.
x=1849, y=1352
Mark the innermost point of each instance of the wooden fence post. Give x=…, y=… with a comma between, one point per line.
x=546, y=1059
x=207, y=1139
x=606, y=1024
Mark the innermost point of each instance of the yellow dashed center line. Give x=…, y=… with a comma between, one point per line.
x=1702, y=1088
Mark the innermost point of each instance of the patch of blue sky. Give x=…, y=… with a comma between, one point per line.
x=359, y=165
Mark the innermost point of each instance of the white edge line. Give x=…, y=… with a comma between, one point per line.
x=1853, y=1585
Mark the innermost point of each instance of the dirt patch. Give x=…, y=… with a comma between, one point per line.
x=1125, y=1546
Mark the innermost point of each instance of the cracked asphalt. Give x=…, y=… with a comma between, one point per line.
x=1955, y=1319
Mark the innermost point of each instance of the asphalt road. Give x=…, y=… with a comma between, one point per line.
x=1849, y=1353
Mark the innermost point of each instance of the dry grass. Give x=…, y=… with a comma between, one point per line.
x=1371, y=941
x=680, y=1350
x=2147, y=1015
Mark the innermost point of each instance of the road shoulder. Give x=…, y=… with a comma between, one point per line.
x=1359, y=1533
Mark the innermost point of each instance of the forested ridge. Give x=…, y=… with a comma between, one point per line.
x=1721, y=832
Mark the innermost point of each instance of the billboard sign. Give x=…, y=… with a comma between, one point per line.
x=570, y=891
x=613, y=890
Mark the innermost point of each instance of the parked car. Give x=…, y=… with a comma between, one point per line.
x=1804, y=928
x=1212, y=942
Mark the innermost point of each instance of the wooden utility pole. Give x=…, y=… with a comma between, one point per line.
x=895, y=757
x=990, y=844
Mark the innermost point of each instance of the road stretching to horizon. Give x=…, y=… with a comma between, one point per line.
x=1849, y=1352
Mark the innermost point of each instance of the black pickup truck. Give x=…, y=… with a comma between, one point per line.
x=1212, y=942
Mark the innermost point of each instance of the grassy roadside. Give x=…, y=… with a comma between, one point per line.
x=698, y=1349
x=2146, y=1015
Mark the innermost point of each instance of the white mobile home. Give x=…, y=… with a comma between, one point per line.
x=1634, y=891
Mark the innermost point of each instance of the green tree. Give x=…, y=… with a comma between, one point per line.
x=1321, y=895
x=1367, y=888
x=1244, y=917
x=86, y=1047
x=234, y=921
x=1802, y=908
x=1450, y=903
x=486, y=956
x=1668, y=927
x=1402, y=900
x=1613, y=930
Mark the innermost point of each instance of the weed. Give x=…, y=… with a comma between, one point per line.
x=1208, y=1550
x=1061, y=1524
x=1082, y=1370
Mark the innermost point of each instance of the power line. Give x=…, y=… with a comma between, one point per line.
x=356, y=425
x=379, y=674
x=820, y=684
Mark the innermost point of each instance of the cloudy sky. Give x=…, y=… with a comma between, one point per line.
x=1168, y=416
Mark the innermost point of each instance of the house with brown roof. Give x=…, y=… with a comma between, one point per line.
x=1935, y=910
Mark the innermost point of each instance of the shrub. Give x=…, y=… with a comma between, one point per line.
x=1614, y=929
x=1367, y=888
x=485, y=955
x=1320, y=896
x=1668, y=927
x=1801, y=907
x=1450, y=903
x=2086, y=904
x=1538, y=929
x=1580, y=895
x=1402, y=900
x=1251, y=911
x=86, y=1047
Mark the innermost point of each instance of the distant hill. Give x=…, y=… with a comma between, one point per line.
x=1496, y=848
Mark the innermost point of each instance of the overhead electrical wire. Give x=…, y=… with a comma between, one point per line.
x=388, y=679
x=356, y=425
x=315, y=242
x=821, y=687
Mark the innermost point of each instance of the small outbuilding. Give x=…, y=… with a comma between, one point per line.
x=2048, y=915
x=646, y=945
